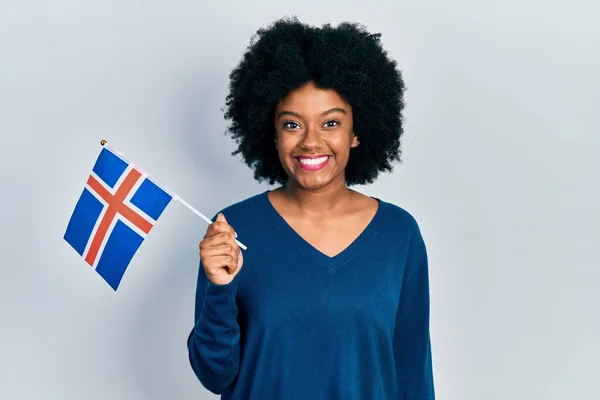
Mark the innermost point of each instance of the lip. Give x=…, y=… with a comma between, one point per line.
x=315, y=167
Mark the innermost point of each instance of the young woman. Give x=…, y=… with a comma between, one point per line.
x=331, y=298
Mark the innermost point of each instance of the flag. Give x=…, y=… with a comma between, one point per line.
x=116, y=210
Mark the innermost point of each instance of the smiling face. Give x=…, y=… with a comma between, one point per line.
x=314, y=135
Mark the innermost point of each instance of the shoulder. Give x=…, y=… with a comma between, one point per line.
x=400, y=224
x=245, y=207
x=398, y=217
x=249, y=218
x=248, y=214
x=402, y=232
x=246, y=211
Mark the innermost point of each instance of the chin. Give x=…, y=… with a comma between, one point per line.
x=312, y=185
x=311, y=182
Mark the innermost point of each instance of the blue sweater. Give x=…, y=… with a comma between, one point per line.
x=297, y=324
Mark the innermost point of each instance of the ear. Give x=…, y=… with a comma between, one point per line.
x=355, y=141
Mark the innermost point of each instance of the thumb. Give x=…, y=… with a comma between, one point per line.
x=221, y=218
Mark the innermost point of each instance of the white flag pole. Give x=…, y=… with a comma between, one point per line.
x=174, y=195
x=198, y=213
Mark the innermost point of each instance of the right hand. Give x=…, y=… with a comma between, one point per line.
x=221, y=256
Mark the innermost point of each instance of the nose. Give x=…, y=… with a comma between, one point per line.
x=312, y=139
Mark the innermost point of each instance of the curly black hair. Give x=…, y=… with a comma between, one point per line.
x=348, y=59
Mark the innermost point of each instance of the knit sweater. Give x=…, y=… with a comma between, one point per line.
x=298, y=324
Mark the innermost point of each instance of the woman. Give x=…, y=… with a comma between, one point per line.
x=331, y=298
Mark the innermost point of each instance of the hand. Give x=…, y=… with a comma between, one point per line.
x=220, y=254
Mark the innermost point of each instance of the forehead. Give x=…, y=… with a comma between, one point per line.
x=309, y=99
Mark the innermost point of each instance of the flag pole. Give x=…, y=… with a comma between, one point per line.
x=192, y=209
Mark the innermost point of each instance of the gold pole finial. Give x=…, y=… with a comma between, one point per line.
x=102, y=142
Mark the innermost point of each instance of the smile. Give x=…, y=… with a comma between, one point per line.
x=313, y=163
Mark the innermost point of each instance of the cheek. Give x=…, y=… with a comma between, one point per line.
x=284, y=146
x=284, y=149
x=341, y=146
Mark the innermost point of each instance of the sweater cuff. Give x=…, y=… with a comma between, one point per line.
x=219, y=300
x=216, y=289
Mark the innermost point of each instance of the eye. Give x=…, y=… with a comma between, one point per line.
x=290, y=125
x=331, y=123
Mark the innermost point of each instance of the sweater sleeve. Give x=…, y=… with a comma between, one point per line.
x=412, y=337
x=214, y=342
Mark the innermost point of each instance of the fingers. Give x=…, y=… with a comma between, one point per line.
x=228, y=248
x=218, y=249
x=215, y=264
x=218, y=240
x=220, y=226
x=221, y=256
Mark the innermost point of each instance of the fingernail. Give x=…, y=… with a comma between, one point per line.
x=235, y=234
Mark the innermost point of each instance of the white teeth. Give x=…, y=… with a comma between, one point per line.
x=313, y=161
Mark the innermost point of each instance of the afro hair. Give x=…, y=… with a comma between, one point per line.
x=347, y=59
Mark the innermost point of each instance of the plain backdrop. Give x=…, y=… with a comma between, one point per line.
x=500, y=169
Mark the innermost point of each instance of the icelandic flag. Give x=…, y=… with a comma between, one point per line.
x=117, y=209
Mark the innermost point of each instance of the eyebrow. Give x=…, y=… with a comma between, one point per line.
x=330, y=111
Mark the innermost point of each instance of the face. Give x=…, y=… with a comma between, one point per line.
x=314, y=136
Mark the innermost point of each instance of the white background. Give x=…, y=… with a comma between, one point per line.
x=500, y=169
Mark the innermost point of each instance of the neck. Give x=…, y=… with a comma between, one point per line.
x=318, y=201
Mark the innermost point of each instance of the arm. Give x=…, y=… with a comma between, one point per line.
x=412, y=338
x=214, y=342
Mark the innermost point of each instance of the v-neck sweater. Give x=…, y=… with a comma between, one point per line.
x=296, y=323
